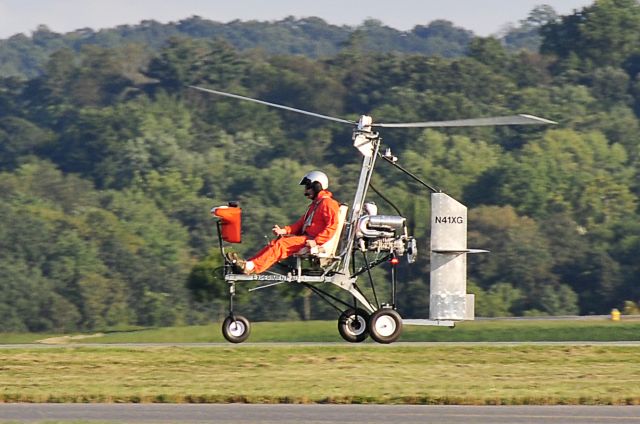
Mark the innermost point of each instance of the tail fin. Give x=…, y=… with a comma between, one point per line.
x=449, y=299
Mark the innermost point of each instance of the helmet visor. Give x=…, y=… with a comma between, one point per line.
x=306, y=182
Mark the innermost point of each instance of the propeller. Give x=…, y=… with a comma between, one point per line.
x=521, y=119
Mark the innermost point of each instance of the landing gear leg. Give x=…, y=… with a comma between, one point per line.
x=235, y=328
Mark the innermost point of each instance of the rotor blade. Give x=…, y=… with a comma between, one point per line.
x=477, y=122
x=262, y=102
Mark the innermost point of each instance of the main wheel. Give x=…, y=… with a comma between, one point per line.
x=352, y=325
x=236, y=328
x=385, y=325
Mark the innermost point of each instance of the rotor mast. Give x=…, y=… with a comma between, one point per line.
x=368, y=144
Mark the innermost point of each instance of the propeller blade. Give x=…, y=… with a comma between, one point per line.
x=477, y=122
x=262, y=102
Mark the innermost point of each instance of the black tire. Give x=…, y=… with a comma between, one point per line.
x=236, y=328
x=385, y=325
x=353, y=325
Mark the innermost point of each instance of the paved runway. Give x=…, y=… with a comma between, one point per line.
x=316, y=414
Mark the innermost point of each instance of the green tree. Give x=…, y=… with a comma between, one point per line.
x=602, y=34
x=205, y=279
x=183, y=61
x=527, y=35
x=441, y=37
x=489, y=52
x=19, y=139
x=453, y=161
x=29, y=303
x=520, y=257
x=566, y=171
x=611, y=86
x=500, y=300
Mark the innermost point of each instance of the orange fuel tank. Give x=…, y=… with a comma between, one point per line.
x=230, y=222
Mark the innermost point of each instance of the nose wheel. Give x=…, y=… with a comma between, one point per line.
x=385, y=325
x=353, y=325
x=236, y=328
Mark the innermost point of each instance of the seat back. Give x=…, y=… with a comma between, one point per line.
x=307, y=262
x=328, y=249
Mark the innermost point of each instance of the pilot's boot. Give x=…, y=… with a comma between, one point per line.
x=239, y=264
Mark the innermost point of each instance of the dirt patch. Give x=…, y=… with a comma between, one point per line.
x=68, y=339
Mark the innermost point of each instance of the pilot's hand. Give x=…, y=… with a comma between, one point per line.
x=278, y=231
x=312, y=246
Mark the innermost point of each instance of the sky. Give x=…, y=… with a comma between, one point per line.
x=483, y=17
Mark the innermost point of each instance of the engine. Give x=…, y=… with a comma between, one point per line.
x=386, y=233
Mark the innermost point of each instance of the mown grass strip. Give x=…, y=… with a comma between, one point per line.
x=326, y=331
x=469, y=375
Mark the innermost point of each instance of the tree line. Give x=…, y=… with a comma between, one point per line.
x=109, y=165
x=26, y=56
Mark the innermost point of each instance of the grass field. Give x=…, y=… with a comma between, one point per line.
x=341, y=373
x=326, y=331
x=76, y=371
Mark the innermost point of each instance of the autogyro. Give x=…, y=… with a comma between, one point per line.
x=380, y=239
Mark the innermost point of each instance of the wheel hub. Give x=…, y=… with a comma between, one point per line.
x=385, y=325
x=236, y=328
x=356, y=325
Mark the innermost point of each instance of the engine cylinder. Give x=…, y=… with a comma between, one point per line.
x=379, y=226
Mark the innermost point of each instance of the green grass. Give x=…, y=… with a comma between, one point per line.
x=326, y=331
x=529, y=330
x=340, y=373
x=74, y=371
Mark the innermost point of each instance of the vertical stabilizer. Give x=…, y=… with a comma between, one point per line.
x=449, y=299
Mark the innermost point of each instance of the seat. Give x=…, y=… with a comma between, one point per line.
x=325, y=254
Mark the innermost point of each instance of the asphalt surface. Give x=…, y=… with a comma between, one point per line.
x=316, y=414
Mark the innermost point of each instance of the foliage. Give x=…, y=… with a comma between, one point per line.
x=602, y=34
x=527, y=35
x=27, y=56
x=76, y=258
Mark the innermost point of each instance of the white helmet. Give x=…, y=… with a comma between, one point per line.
x=316, y=176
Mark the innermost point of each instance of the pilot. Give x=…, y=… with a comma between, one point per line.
x=314, y=228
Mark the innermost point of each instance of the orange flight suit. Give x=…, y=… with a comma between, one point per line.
x=319, y=223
